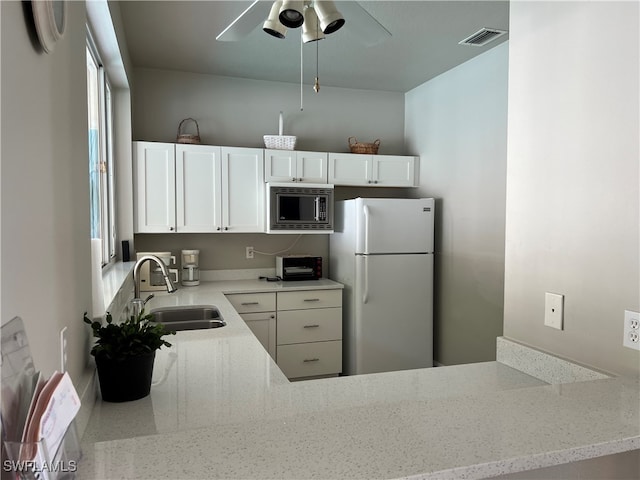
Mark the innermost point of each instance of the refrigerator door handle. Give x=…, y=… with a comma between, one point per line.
x=365, y=295
x=367, y=213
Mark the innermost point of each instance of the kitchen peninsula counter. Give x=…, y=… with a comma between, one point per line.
x=221, y=408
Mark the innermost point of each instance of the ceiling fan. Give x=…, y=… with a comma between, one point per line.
x=317, y=18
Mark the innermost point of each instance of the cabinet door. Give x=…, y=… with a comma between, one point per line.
x=311, y=167
x=263, y=326
x=198, y=189
x=280, y=166
x=155, y=195
x=393, y=171
x=349, y=169
x=243, y=190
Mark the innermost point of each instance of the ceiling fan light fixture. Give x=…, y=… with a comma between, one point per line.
x=310, y=29
x=272, y=25
x=331, y=19
x=292, y=13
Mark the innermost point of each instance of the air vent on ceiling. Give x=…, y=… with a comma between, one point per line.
x=482, y=37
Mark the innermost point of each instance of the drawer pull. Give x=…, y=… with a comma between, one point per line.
x=311, y=299
x=311, y=326
x=250, y=303
x=309, y=360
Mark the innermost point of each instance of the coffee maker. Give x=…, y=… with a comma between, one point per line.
x=190, y=268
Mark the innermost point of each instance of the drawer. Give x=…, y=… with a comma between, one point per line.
x=317, y=325
x=253, y=302
x=310, y=359
x=303, y=299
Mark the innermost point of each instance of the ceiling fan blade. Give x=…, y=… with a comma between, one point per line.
x=248, y=20
x=362, y=23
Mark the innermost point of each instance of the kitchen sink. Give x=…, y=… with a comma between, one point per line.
x=193, y=317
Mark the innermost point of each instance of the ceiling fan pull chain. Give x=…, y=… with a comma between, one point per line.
x=316, y=84
x=301, y=77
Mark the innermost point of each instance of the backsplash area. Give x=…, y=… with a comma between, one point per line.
x=227, y=251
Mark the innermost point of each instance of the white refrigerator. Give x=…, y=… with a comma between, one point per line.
x=382, y=251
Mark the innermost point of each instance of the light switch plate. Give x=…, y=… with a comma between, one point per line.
x=554, y=310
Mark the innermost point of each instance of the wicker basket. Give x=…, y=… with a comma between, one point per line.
x=188, y=137
x=280, y=142
x=370, y=148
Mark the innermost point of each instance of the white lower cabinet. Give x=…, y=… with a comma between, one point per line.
x=301, y=330
x=258, y=310
x=302, y=360
x=263, y=326
x=309, y=333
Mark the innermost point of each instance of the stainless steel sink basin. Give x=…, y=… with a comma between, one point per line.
x=194, y=317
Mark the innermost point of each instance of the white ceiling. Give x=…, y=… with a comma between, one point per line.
x=180, y=35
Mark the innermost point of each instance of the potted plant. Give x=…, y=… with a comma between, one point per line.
x=125, y=353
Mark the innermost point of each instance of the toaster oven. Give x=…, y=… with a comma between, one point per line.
x=298, y=267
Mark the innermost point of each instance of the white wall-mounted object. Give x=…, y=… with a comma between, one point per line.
x=554, y=310
x=50, y=19
x=631, y=330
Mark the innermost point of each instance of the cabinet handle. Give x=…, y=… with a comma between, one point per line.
x=309, y=360
x=226, y=228
x=250, y=303
x=311, y=326
x=299, y=179
x=311, y=300
x=171, y=228
x=293, y=179
x=375, y=181
x=218, y=229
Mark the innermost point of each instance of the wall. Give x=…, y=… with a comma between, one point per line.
x=238, y=112
x=45, y=252
x=457, y=123
x=573, y=178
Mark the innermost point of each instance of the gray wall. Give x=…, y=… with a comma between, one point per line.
x=238, y=112
x=573, y=202
x=457, y=123
x=45, y=252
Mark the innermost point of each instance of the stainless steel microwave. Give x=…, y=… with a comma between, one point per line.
x=299, y=208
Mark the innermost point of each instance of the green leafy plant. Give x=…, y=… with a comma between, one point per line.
x=133, y=337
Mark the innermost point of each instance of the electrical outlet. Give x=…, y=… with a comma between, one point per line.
x=63, y=349
x=553, y=310
x=249, y=252
x=631, y=330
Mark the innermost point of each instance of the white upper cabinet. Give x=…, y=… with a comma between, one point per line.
x=349, y=169
x=372, y=170
x=394, y=171
x=243, y=190
x=198, y=189
x=295, y=166
x=155, y=199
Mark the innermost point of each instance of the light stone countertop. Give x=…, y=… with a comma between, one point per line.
x=221, y=408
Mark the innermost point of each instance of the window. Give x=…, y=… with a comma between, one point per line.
x=101, y=171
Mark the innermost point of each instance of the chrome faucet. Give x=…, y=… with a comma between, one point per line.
x=136, y=274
